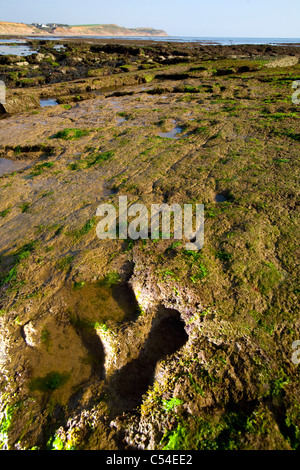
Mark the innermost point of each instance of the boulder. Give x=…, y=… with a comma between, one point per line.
x=22, y=64
x=39, y=57
x=19, y=102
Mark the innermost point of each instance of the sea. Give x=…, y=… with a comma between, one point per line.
x=205, y=40
x=19, y=46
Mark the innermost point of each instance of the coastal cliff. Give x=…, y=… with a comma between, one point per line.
x=22, y=29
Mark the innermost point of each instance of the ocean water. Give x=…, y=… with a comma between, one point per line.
x=9, y=41
x=22, y=49
x=205, y=40
x=16, y=50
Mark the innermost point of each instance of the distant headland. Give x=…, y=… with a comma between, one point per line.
x=55, y=29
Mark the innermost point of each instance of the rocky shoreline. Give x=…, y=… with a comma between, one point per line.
x=98, y=64
x=146, y=345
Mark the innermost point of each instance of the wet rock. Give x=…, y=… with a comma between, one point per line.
x=222, y=72
x=2, y=353
x=22, y=64
x=32, y=334
x=18, y=103
x=218, y=354
x=49, y=56
x=39, y=57
x=283, y=62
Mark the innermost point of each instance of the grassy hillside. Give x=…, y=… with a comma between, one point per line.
x=21, y=29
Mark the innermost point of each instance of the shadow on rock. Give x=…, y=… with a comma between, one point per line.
x=96, y=357
x=123, y=294
x=94, y=345
x=130, y=383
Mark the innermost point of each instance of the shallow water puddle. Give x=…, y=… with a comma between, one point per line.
x=9, y=41
x=59, y=47
x=120, y=120
x=96, y=302
x=72, y=351
x=220, y=198
x=49, y=102
x=115, y=104
x=172, y=134
x=9, y=166
x=21, y=50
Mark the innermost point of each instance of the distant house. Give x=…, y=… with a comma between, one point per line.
x=49, y=25
x=39, y=25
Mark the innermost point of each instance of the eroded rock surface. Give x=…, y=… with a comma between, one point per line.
x=115, y=344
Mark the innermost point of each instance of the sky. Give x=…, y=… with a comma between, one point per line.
x=204, y=18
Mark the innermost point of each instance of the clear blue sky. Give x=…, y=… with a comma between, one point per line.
x=237, y=18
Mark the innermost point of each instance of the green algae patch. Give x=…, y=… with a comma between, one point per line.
x=84, y=230
x=57, y=443
x=5, y=212
x=99, y=158
x=19, y=255
x=5, y=423
x=111, y=279
x=65, y=263
x=50, y=382
x=40, y=168
x=71, y=134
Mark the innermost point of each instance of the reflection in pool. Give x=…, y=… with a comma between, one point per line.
x=171, y=134
x=48, y=102
x=20, y=48
x=220, y=198
x=59, y=47
x=8, y=166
